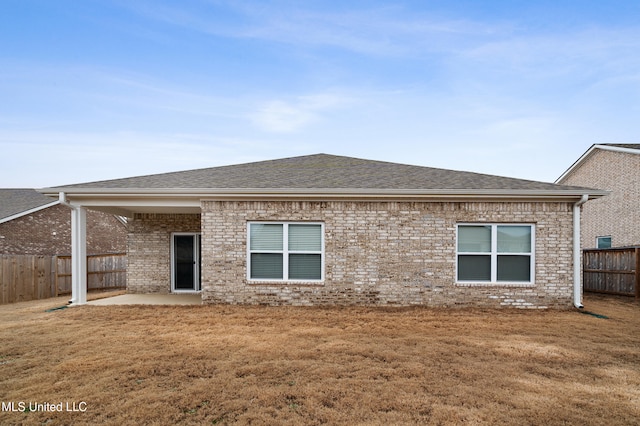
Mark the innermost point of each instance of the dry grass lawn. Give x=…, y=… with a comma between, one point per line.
x=282, y=365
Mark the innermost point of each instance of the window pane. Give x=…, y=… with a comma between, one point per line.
x=265, y=237
x=305, y=237
x=474, y=268
x=514, y=268
x=305, y=267
x=474, y=239
x=514, y=239
x=604, y=242
x=266, y=266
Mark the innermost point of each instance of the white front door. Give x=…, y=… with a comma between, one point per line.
x=185, y=262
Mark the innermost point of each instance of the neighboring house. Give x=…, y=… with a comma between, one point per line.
x=612, y=221
x=324, y=229
x=32, y=223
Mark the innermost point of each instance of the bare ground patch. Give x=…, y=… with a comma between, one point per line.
x=283, y=365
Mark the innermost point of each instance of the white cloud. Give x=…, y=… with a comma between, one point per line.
x=580, y=54
x=282, y=117
x=374, y=30
x=291, y=116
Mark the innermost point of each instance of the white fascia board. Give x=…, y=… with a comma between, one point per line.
x=196, y=193
x=590, y=151
x=28, y=212
x=576, y=163
x=170, y=197
x=618, y=149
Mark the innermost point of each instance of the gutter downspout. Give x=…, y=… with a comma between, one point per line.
x=62, y=197
x=577, y=279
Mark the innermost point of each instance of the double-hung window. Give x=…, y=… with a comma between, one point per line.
x=285, y=251
x=495, y=253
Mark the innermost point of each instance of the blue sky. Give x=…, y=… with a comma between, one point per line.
x=99, y=89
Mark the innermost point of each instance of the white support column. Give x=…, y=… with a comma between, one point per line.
x=78, y=255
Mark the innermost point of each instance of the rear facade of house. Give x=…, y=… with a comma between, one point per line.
x=374, y=253
x=328, y=230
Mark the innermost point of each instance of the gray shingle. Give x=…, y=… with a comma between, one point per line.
x=18, y=200
x=320, y=171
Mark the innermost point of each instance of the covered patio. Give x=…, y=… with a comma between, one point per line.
x=126, y=204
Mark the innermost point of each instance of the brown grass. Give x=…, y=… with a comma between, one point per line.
x=280, y=365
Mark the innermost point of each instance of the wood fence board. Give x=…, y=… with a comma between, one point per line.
x=613, y=271
x=4, y=278
x=637, y=250
x=24, y=277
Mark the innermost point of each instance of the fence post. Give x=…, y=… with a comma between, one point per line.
x=55, y=277
x=637, y=273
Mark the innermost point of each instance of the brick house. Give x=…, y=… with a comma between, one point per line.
x=324, y=229
x=34, y=224
x=612, y=221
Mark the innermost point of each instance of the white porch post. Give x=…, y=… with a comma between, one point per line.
x=78, y=255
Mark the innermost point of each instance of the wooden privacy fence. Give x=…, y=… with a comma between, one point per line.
x=612, y=271
x=25, y=277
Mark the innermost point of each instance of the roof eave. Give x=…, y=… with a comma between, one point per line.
x=320, y=193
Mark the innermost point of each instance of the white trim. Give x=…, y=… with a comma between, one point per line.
x=494, y=256
x=618, y=149
x=285, y=253
x=604, y=236
x=196, y=265
x=78, y=255
x=30, y=211
x=185, y=197
x=590, y=151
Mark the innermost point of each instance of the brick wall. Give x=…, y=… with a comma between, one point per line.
x=48, y=232
x=386, y=253
x=149, y=250
x=617, y=214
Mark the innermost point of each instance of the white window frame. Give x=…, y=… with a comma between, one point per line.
x=285, y=253
x=494, y=256
x=602, y=237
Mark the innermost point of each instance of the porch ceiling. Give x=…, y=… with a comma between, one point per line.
x=129, y=205
x=129, y=211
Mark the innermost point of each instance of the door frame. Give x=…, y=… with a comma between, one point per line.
x=197, y=266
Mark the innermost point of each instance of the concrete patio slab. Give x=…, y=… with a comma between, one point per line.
x=149, y=299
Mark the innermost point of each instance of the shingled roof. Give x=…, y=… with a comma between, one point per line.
x=315, y=172
x=17, y=201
